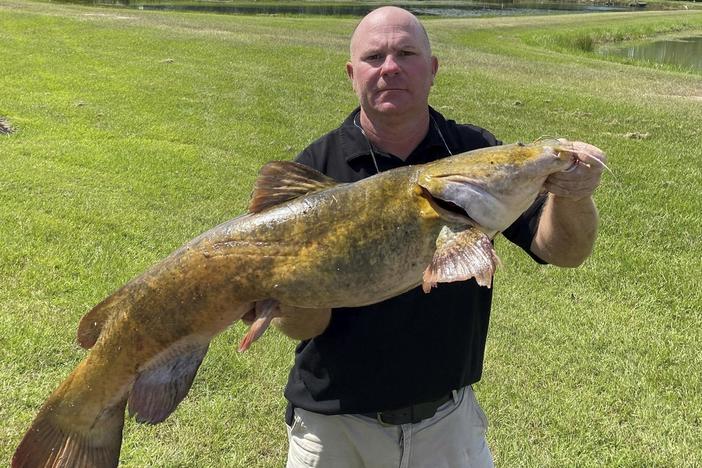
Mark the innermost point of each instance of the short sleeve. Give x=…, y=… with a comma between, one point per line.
x=305, y=157
x=523, y=230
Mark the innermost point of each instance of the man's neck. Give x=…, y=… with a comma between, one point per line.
x=397, y=136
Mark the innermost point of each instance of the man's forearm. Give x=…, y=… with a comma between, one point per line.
x=302, y=324
x=566, y=232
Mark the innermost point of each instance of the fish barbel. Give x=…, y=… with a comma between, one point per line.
x=307, y=241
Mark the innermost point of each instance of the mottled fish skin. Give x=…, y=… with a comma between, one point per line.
x=337, y=246
x=329, y=253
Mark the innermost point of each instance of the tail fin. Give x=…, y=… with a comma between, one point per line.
x=52, y=443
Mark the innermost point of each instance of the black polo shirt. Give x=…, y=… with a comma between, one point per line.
x=412, y=348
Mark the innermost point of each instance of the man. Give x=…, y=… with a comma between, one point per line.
x=390, y=384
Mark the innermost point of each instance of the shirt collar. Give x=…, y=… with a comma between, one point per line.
x=355, y=145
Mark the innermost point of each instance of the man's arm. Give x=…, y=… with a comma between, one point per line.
x=566, y=232
x=567, y=228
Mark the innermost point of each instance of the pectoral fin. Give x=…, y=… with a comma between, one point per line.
x=459, y=256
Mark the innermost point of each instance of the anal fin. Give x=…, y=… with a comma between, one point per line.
x=459, y=256
x=163, y=384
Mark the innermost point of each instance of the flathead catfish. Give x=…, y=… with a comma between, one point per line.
x=307, y=241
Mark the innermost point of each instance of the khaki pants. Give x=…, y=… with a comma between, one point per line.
x=453, y=438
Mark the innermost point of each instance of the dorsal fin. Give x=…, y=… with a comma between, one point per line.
x=281, y=181
x=92, y=323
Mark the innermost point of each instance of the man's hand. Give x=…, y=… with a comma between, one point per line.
x=568, y=223
x=295, y=322
x=583, y=178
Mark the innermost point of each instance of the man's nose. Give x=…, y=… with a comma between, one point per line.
x=390, y=65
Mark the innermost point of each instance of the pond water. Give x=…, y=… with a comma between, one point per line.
x=685, y=52
x=454, y=9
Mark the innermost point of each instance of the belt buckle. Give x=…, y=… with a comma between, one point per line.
x=379, y=417
x=417, y=413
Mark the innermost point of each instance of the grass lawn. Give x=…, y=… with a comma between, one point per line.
x=134, y=131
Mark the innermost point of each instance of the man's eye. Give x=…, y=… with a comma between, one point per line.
x=407, y=52
x=372, y=58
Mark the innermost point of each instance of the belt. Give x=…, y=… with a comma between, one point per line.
x=409, y=414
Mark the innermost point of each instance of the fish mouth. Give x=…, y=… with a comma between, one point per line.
x=574, y=163
x=448, y=209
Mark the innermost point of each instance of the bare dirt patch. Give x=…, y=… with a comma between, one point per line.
x=5, y=127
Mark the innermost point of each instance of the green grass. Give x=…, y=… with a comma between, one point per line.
x=135, y=131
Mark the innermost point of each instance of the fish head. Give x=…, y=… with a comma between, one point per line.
x=489, y=188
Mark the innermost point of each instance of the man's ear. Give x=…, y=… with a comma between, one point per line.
x=434, y=67
x=349, y=73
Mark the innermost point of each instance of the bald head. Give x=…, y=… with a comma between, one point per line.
x=391, y=67
x=389, y=17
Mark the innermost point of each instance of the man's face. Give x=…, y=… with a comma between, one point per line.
x=391, y=67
